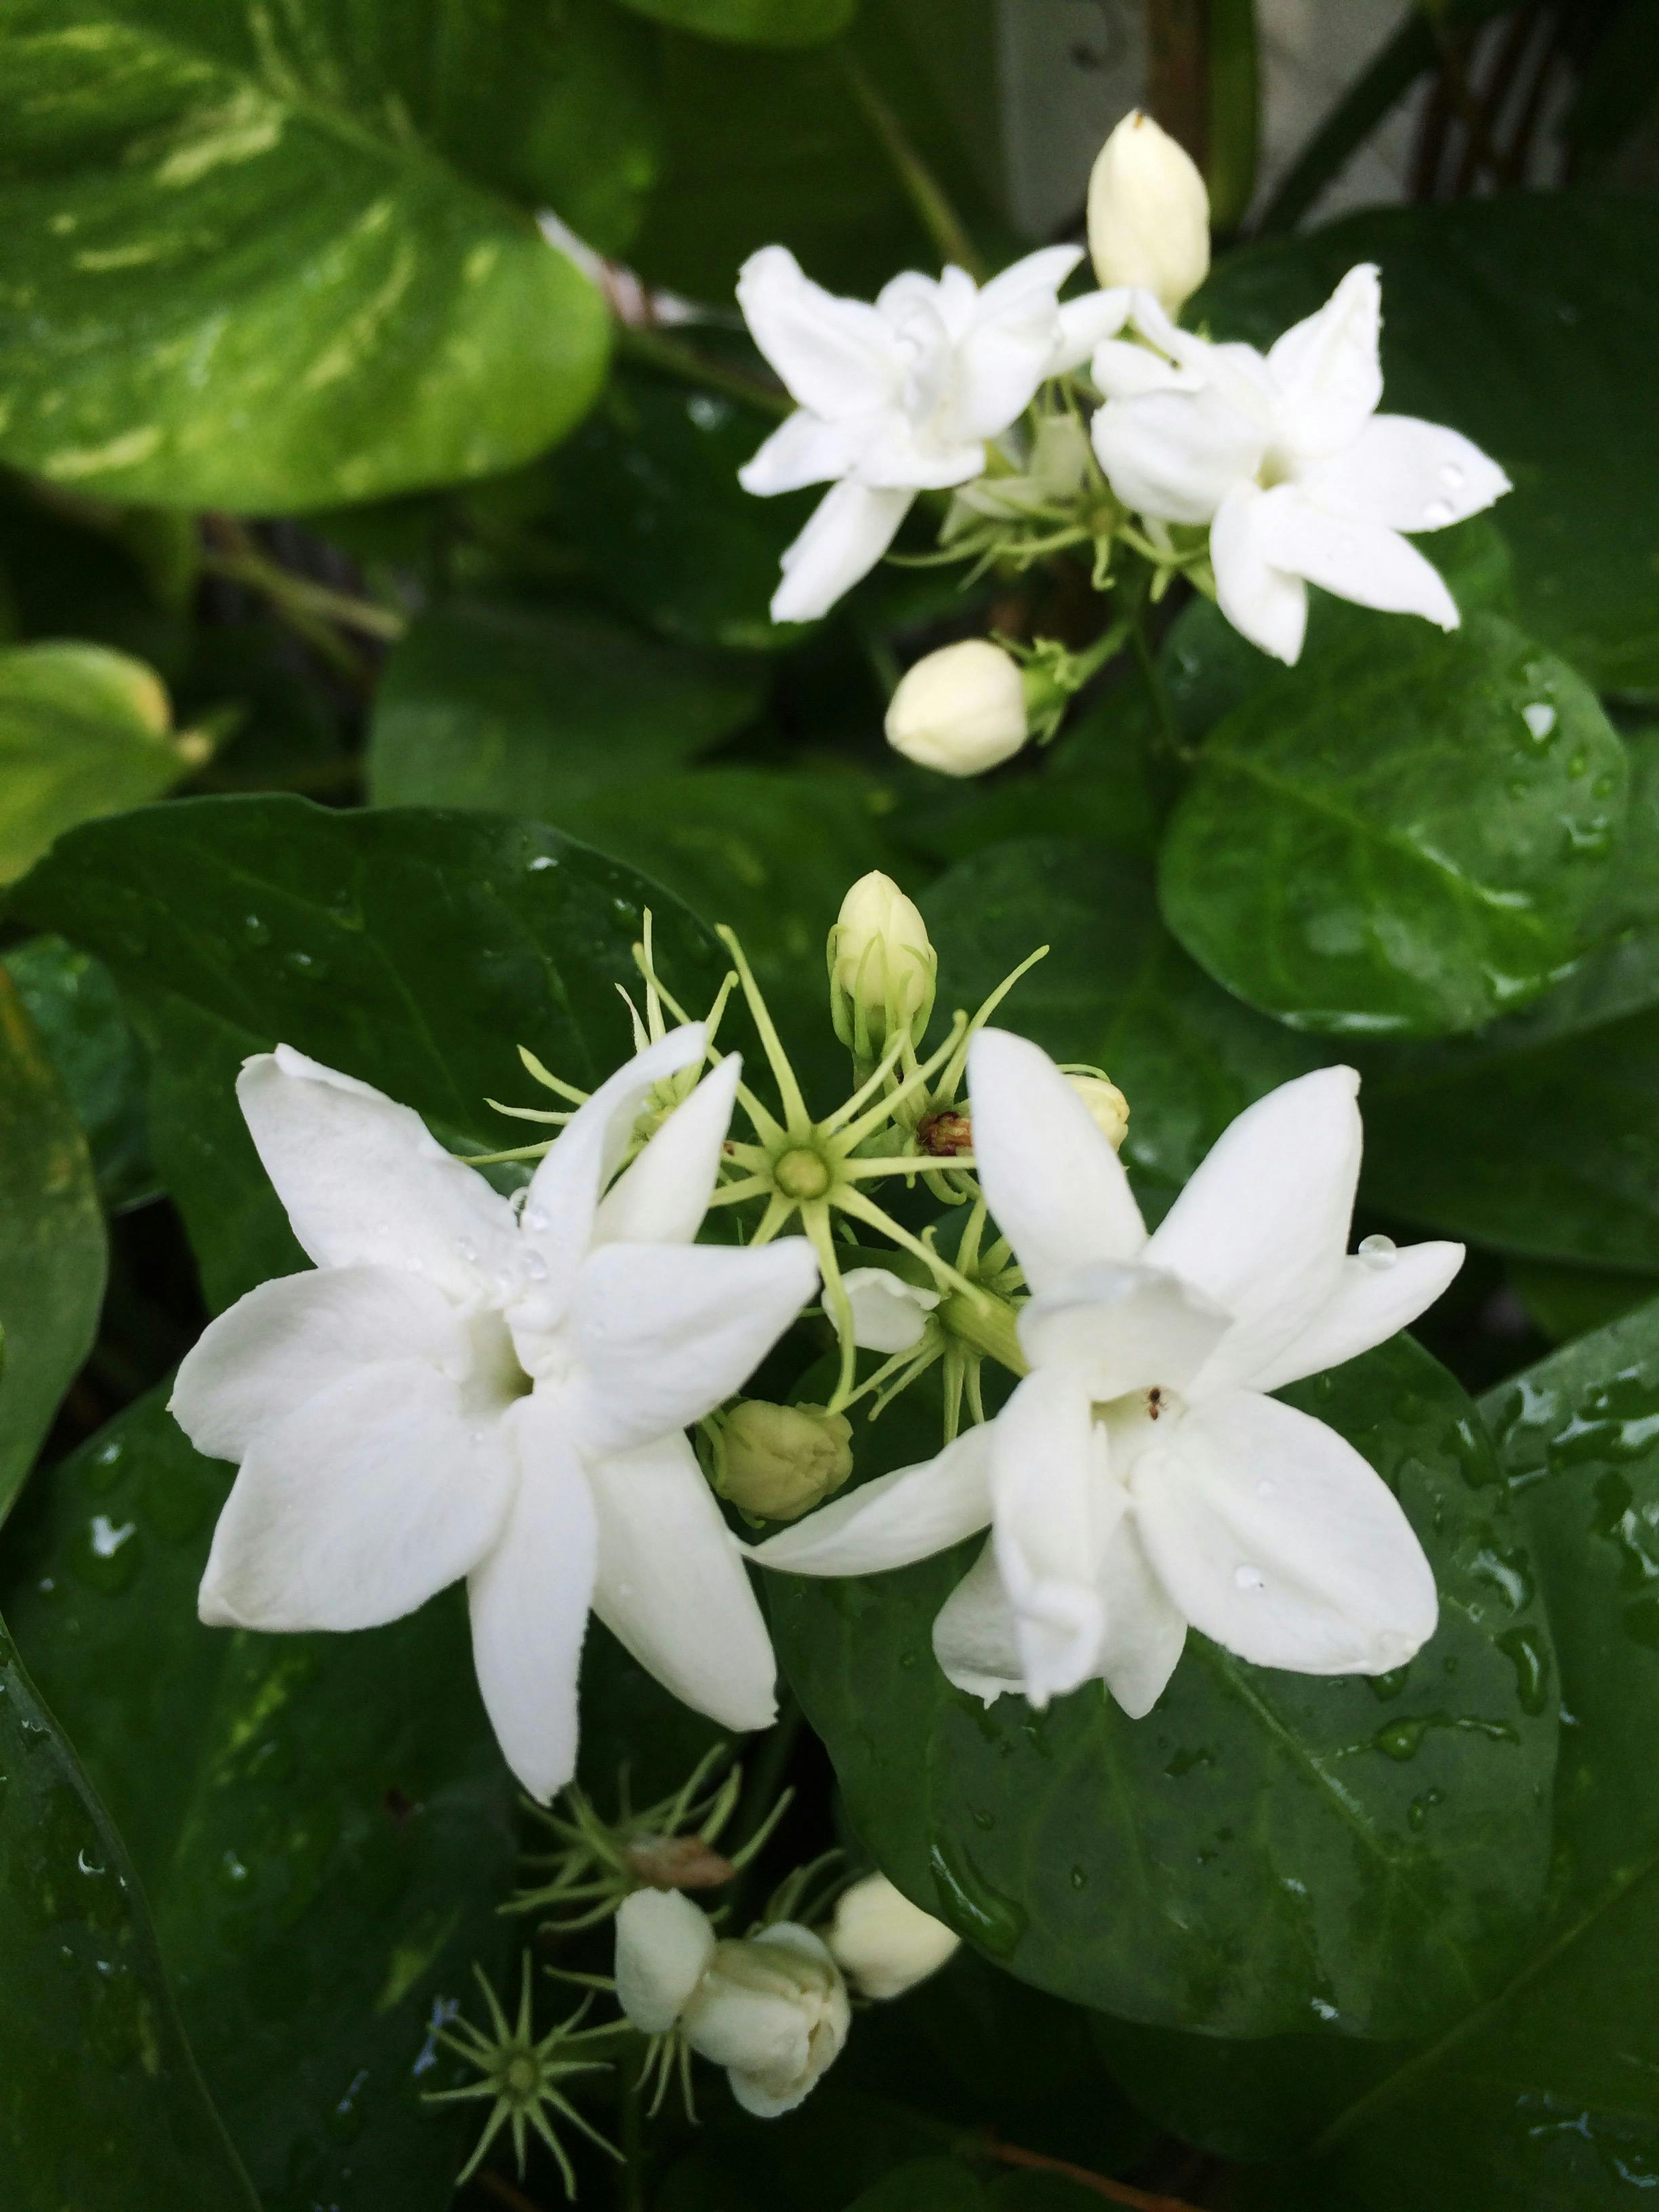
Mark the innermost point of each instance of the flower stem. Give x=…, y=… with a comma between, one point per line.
x=1169, y=732
x=1117, y=2192
x=673, y=357
x=630, y=2179
x=241, y=562
x=988, y=1326
x=922, y=188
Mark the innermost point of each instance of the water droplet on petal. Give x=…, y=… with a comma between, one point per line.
x=467, y=1248
x=1249, y=1578
x=1438, y=514
x=1453, y=477
x=535, y=1267
x=1378, y=1252
x=536, y=1221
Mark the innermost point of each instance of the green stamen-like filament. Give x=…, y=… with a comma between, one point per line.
x=789, y=1090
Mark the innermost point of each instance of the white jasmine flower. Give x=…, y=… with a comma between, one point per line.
x=1149, y=213
x=1285, y=456
x=883, y=1943
x=771, y=2008
x=900, y=395
x=460, y=1390
x=1139, y=1479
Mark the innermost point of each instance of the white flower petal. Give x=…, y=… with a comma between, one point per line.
x=1175, y=455
x=900, y=1517
x=1146, y=1631
x=1364, y=561
x=1120, y=369
x=976, y=1637
x=837, y=357
x=529, y=1599
x=902, y=455
x=1277, y=1540
x=1120, y=1328
x=673, y=1587
x=889, y=1314
x=1027, y=287
x=662, y=1197
x=1262, y=603
x=363, y=1181
x=1053, y=1503
x=663, y=1945
x=1087, y=324
x=804, y=450
x=561, y=1205
x=1011, y=343
x=290, y=1338
x=1057, y=1188
x=847, y=534
x=1407, y=475
x=1375, y=1298
x=365, y=1501
x=1263, y=1227
x=664, y=1332
x=1329, y=369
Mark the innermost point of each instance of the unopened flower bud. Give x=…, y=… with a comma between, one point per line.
x=960, y=710
x=883, y=966
x=1149, y=214
x=663, y=1945
x=889, y=1314
x=883, y=1943
x=779, y=1461
x=1108, y=1106
x=771, y=2009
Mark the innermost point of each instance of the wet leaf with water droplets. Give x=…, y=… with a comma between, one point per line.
x=321, y=1824
x=1371, y=843
x=447, y=942
x=1281, y=1853
x=1543, y=2097
x=53, y=1250
x=101, y=2106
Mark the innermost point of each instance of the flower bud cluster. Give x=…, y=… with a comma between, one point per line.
x=772, y=2009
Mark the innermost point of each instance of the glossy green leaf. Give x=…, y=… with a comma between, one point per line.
x=73, y=1002
x=1093, y=783
x=320, y=1822
x=84, y=731
x=924, y=2185
x=415, y=949
x=502, y=707
x=1550, y=1152
x=754, y=22
x=53, y=1252
x=238, y=268
x=770, y=852
x=1265, y=1852
x=102, y=2107
x=1528, y=322
x=816, y=2159
x=1406, y=837
x=1115, y=990
x=1568, y=1302
x=643, y=507
x=1543, y=2098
